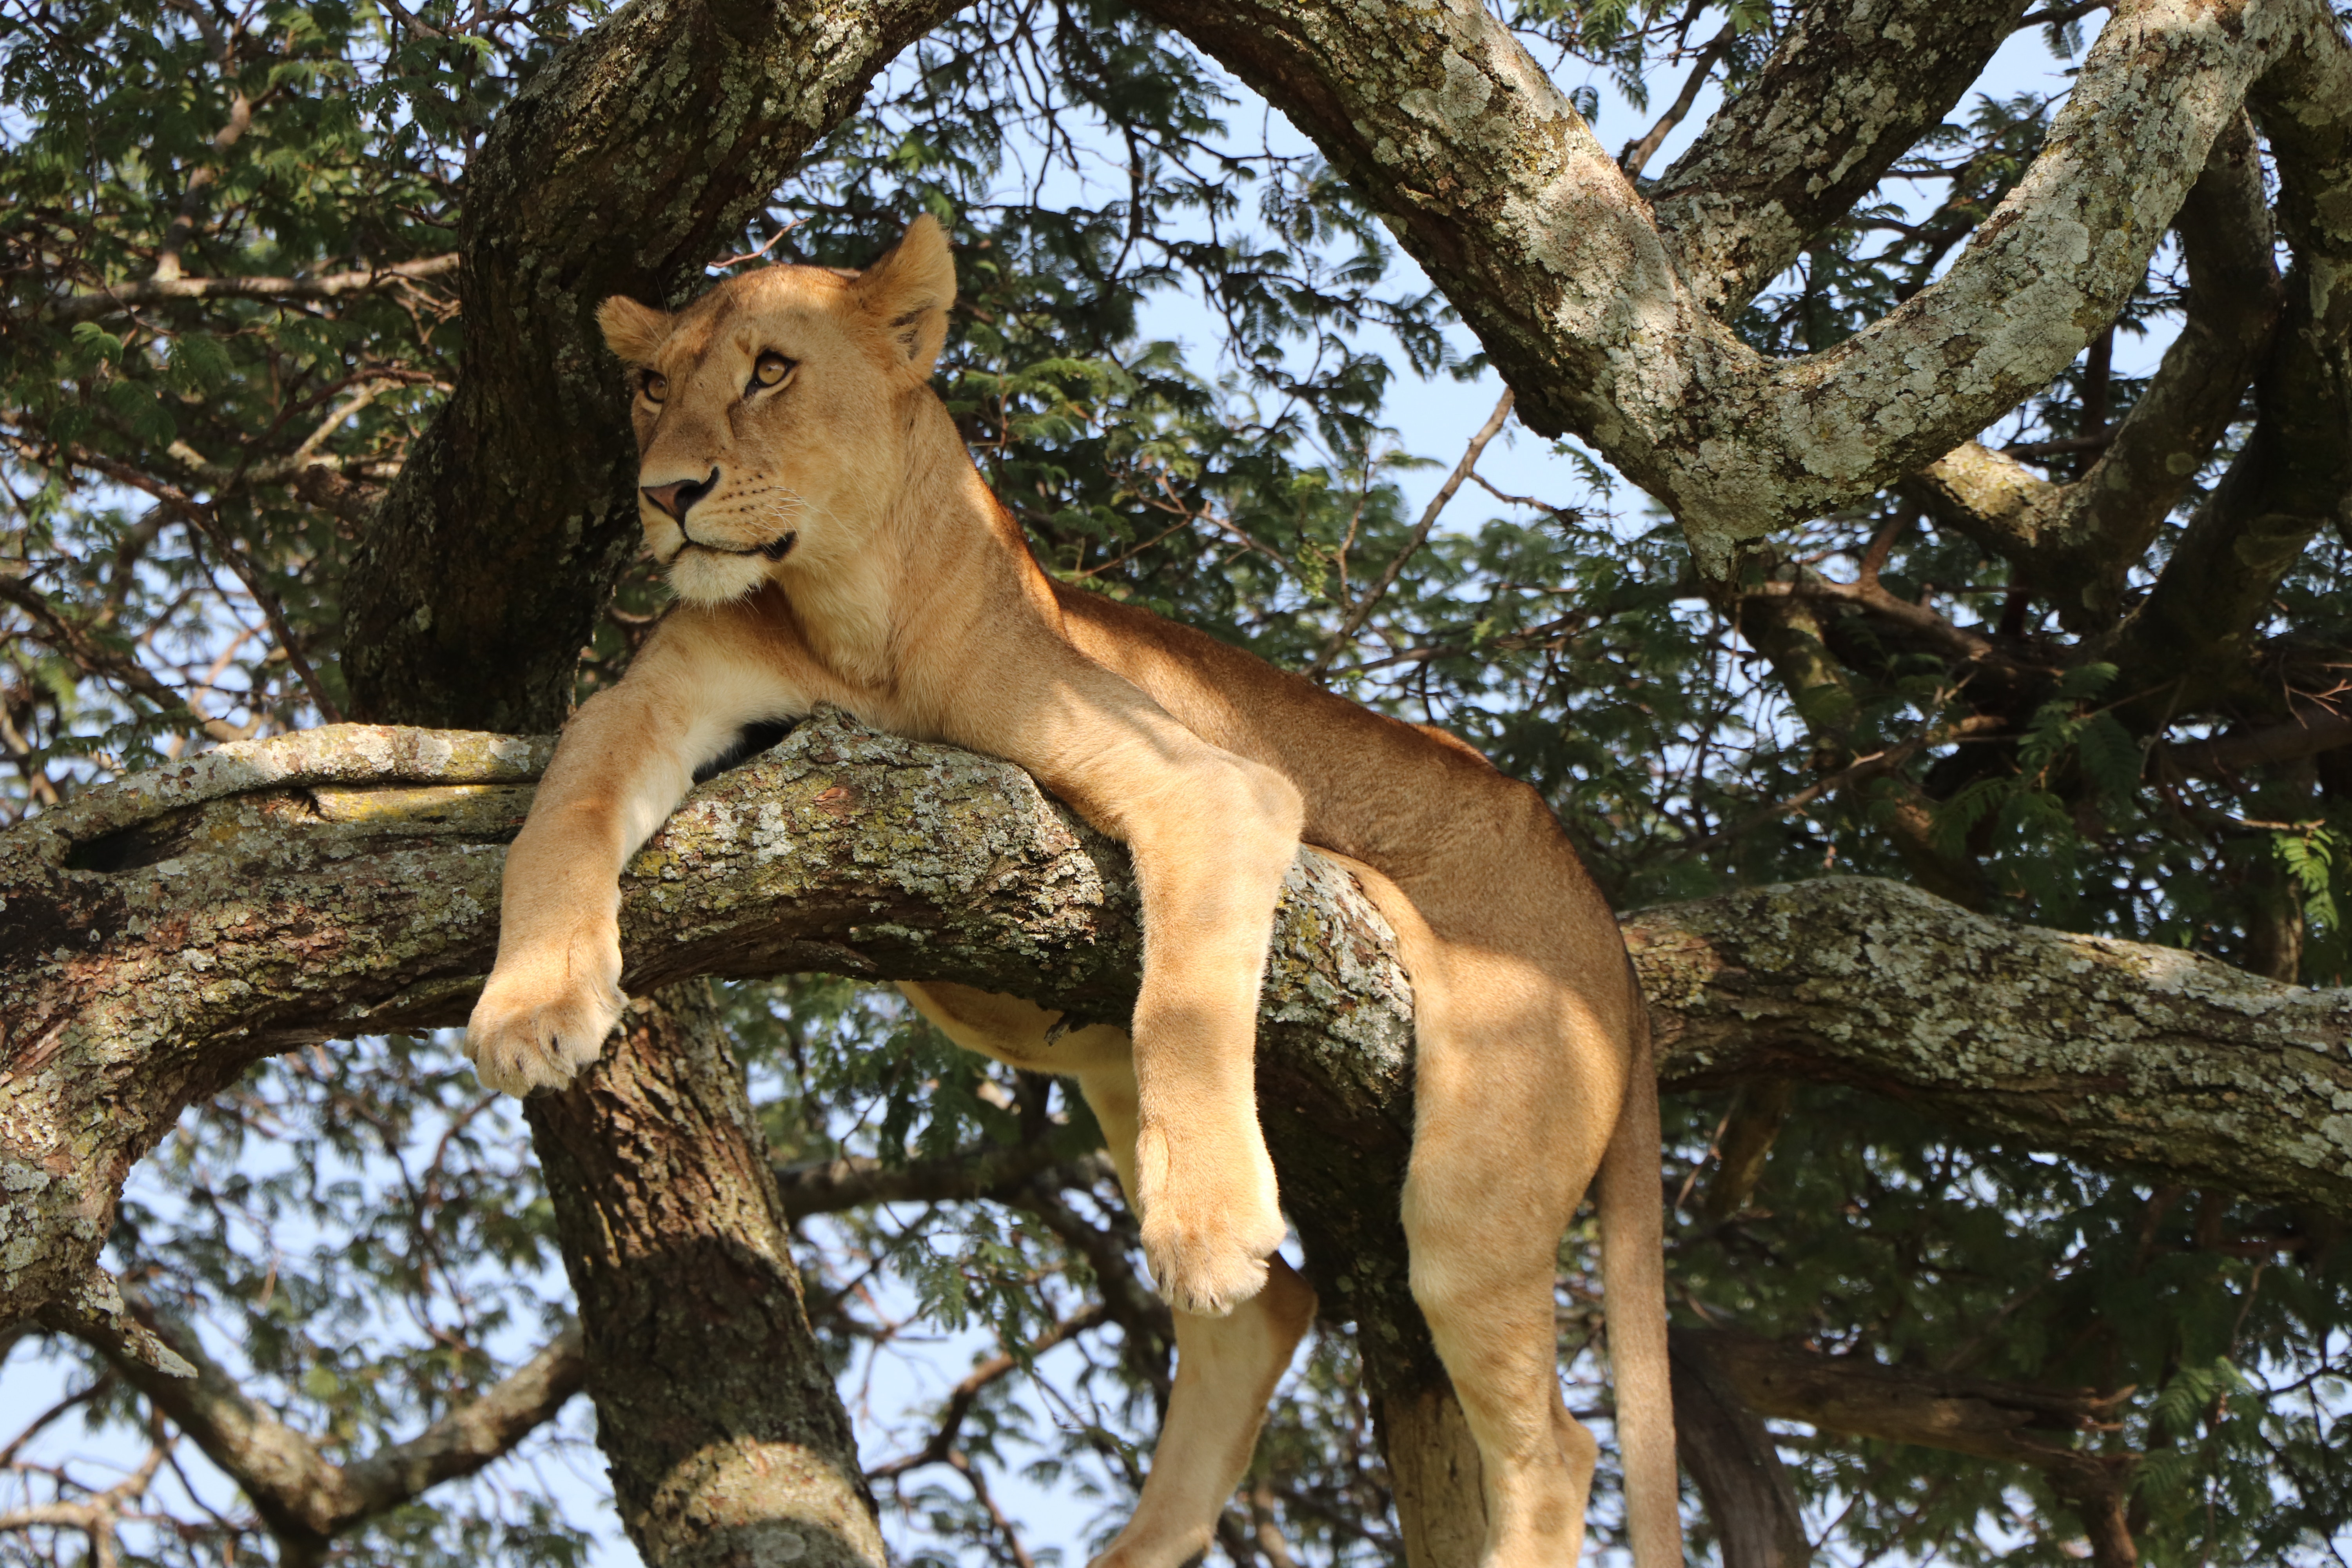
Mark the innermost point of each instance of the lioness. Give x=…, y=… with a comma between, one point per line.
x=830, y=541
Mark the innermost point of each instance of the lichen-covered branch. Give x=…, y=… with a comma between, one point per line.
x=2115, y=1052
x=2191, y=638
x=2077, y=543
x=1849, y=90
x=1503, y=195
x=159, y=935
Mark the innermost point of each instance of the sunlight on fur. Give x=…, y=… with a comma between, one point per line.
x=830, y=542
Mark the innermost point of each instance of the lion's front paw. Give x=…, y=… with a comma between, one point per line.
x=540, y=1020
x=1208, y=1225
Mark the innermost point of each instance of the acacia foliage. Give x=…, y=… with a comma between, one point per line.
x=189, y=476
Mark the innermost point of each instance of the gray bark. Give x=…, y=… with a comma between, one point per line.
x=158, y=935
x=1850, y=89
x=727, y=1443
x=1502, y=192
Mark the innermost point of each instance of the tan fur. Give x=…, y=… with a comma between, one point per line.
x=908, y=597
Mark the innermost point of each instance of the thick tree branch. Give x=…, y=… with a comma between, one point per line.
x=2197, y=629
x=1852, y=1394
x=2107, y=519
x=159, y=935
x=1503, y=194
x=1987, y=496
x=2076, y=543
x=2313, y=730
x=333, y=492
x=474, y=1434
x=2006, y=1422
x=1849, y=90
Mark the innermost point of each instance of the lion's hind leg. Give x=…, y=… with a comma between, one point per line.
x=1227, y=1367
x=1501, y=1154
x=1516, y=1088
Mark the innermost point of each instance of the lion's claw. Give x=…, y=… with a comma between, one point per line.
x=1206, y=1275
x=539, y=1023
x=1210, y=1221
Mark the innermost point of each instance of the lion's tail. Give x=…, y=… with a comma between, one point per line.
x=1633, y=1282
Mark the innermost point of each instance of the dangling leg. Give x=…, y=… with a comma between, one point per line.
x=1500, y=1157
x=1515, y=1097
x=1226, y=1368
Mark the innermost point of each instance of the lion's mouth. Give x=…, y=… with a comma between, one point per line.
x=775, y=550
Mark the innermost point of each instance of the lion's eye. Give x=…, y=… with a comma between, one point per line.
x=773, y=369
x=653, y=387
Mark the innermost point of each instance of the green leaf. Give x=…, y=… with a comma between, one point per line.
x=1956, y=818
x=2112, y=758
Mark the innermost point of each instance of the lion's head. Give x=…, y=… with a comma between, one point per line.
x=770, y=412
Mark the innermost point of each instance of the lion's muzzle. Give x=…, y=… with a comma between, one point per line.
x=678, y=497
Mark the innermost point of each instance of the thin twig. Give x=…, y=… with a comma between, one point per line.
x=76, y=644
x=724, y=262
x=940, y=1447
x=16, y=1444
x=1871, y=766
x=1420, y=535
x=1123, y=558
x=1640, y=153
x=96, y=1516
x=203, y=518
x=970, y=1473
x=276, y=291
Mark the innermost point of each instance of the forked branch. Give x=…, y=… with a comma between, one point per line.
x=306, y=1499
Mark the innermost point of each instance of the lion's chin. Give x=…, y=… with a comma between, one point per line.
x=703, y=577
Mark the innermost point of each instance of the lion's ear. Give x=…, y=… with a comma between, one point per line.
x=632, y=331
x=909, y=290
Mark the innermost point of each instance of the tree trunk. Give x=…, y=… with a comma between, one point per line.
x=1731, y=1457
x=728, y=1442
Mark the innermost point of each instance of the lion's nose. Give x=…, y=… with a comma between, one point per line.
x=678, y=499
